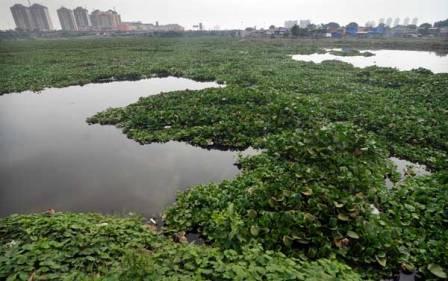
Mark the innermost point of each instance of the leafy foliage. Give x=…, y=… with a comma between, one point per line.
x=325, y=130
x=179, y=262
x=350, y=53
x=310, y=191
x=50, y=245
x=94, y=247
x=418, y=211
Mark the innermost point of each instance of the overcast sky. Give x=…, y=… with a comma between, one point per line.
x=243, y=13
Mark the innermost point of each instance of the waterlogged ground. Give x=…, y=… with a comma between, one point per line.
x=400, y=59
x=51, y=158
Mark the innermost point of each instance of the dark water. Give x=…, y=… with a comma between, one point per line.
x=51, y=158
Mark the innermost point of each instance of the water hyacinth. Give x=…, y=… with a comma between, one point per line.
x=311, y=202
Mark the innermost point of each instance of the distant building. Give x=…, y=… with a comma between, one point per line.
x=41, y=17
x=67, y=19
x=397, y=22
x=414, y=21
x=406, y=21
x=290, y=23
x=22, y=17
x=169, y=27
x=370, y=23
x=404, y=31
x=304, y=23
x=82, y=18
x=389, y=22
x=148, y=27
x=109, y=20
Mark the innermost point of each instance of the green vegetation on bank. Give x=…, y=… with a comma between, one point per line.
x=36, y=64
x=306, y=205
x=93, y=247
x=350, y=52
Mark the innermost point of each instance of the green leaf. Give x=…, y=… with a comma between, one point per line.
x=352, y=234
x=338, y=205
x=437, y=270
x=381, y=260
x=252, y=213
x=254, y=230
x=343, y=217
x=287, y=241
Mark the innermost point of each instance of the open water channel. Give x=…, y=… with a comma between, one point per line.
x=400, y=59
x=51, y=158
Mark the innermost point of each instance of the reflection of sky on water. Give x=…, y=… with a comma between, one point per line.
x=402, y=60
x=51, y=158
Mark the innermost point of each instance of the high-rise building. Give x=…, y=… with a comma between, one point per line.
x=406, y=21
x=67, y=19
x=389, y=22
x=22, y=17
x=41, y=17
x=109, y=20
x=370, y=23
x=414, y=21
x=290, y=23
x=304, y=23
x=397, y=22
x=82, y=18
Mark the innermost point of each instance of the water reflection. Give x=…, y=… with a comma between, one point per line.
x=402, y=60
x=51, y=158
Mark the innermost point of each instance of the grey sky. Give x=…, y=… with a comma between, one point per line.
x=243, y=13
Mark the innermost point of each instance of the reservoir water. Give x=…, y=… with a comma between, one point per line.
x=51, y=158
x=400, y=59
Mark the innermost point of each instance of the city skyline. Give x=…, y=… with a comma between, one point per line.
x=233, y=14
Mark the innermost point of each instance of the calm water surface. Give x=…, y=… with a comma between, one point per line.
x=402, y=60
x=51, y=158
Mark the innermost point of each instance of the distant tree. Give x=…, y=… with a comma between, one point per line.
x=331, y=26
x=412, y=26
x=272, y=27
x=425, y=25
x=353, y=25
x=352, y=28
x=424, y=28
x=311, y=26
x=443, y=23
x=295, y=30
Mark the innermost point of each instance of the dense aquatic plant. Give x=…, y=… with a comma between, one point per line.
x=52, y=244
x=418, y=210
x=308, y=194
x=180, y=262
x=350, y=53
x=93, y=247
x=311, y=191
